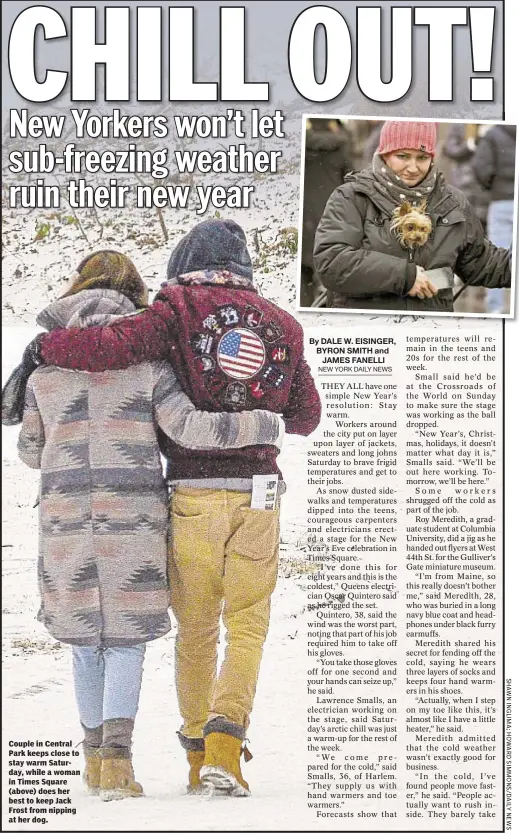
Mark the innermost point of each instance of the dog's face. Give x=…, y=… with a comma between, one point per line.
x=411, y=224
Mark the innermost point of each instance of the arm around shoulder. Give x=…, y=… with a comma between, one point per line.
x=145, y=336
x=186, y=425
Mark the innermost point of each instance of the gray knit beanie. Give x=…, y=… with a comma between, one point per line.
x=211, y=245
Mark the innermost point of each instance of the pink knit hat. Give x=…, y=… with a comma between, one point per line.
x=415, y=135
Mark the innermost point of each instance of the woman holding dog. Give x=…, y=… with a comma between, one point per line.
x=393, y=236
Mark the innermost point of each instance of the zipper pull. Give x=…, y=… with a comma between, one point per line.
x=411, y=255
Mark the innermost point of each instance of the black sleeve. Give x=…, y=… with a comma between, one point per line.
x=479, y=262
x=484, y=162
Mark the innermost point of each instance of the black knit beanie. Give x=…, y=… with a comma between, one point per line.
x=211, y=245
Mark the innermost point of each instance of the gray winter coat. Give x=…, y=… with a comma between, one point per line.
x=362, y=264
x=494, y=162
x=103, y=502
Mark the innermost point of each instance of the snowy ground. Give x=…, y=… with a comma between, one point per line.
x=39, y=704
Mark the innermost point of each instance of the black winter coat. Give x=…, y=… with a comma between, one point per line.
x=327, y=161
x=462, y=174
x=494, y=162
x=362, y=264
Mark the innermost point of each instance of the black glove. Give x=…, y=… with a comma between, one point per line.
x=13, y=393
x=31, y=355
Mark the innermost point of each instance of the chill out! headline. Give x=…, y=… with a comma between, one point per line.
x=144, y=47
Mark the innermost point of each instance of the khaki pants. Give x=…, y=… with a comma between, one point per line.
x=223, y=561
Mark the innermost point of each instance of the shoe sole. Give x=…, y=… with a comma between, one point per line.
x=222, y=782
x=117, y=795
x=91, y=790
x=198, y=790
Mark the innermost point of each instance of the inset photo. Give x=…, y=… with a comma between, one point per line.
x=407, y=216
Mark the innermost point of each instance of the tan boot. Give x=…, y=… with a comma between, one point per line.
x=221, y=768
x=92, y=771
x=117, y=777
x=194, y=749
x=195, y=758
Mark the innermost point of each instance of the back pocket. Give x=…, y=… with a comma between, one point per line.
x=190, y=535
x=257, y=537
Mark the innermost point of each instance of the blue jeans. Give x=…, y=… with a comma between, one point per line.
x=500, y=230
x=107, y=682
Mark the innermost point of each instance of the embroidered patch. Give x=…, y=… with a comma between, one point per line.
x=212, y=323
x=280, y=354
x=236, y=394
x=256, y=390
x=215, y=384
x=202, y=342
x=241, y=354
x=273, y=376
x=252, y=317
x=271, y=332
x=228, y=315
x=204, y=364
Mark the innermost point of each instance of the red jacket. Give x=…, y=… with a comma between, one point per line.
x=231, y=349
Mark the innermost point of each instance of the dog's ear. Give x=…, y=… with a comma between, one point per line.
x=422, y=206
x=403, y=209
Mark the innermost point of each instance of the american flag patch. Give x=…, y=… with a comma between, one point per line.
x=241, y=354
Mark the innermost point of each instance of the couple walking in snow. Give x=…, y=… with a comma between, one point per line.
x=210, y=374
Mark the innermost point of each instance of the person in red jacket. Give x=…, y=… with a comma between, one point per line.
x=231, y=350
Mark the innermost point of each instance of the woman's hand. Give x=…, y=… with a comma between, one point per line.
x=422, y=287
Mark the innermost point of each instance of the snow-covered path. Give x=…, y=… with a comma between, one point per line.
x=39, y=704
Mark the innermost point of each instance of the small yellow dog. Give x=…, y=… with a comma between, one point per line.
x=411, y=224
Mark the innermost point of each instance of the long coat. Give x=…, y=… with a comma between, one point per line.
x=362, y=264
x=462, y=175
x=103, y=503
x=494, y=162
x=327, y=161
